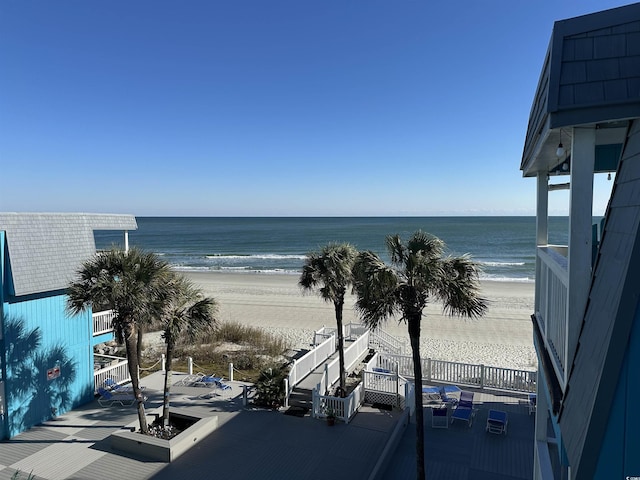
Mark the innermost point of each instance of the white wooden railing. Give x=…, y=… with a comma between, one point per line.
x=385, y=342
x=352, y=354
x=477, y=375
x=306, y=364
x=102, y=322
x=343, y=408
x=551, y=312
x=107, y=366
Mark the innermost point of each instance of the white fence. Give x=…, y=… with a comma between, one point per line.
x=481, y=376
x=113, y=367
x=102, y=322
x=352, y=354
x=385, y=342
x=305, y=365
x=343, y=408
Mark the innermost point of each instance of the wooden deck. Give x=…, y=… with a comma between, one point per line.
x=471, y=453
x=254, y=443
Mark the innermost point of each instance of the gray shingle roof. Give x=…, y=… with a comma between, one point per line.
x=46, y=249
x=591, y=74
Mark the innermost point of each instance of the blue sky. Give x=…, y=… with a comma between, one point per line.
x=268, y=107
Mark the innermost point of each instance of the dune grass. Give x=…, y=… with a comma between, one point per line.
x=250, y=349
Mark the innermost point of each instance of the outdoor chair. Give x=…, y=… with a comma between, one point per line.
x=497, y=421
x=446, y=398
x=440, y=417
x=431, y=393
x=464, y=410
x=223, y=386
x=114, y=387
x=107, y=398
x=189, y=379
x=207, y=381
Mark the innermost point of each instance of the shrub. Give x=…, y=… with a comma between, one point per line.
x=270, y=386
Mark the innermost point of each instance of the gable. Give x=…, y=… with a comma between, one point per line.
x=46, y=249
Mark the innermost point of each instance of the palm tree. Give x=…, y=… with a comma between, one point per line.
x=129, y=283
x=418, y=273
x=329, y=273
x=186, y=313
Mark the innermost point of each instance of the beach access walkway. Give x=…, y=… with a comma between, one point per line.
x=258, y=443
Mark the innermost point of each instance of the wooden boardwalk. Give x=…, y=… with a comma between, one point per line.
x=255, y=443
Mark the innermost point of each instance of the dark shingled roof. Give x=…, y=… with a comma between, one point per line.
x=46, y=249
x=591, y=74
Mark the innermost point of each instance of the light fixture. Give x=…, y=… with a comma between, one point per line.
x=560, y=150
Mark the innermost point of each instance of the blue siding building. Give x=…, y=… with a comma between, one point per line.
x=46, y=356
x=585, y=120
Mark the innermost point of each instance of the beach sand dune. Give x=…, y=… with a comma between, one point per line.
x=503, y=337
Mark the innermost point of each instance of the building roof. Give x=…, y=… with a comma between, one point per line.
x=46, y=249
x=590, y=76
x=609, y=318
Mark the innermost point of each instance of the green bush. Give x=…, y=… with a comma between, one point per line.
x=270, y=386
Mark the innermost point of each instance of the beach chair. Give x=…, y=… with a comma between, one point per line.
x=497, y=421
x=464, y=410
x=430, y=393
x=189, y=380
x=445, y=398
x=207, y=381
x=107, y=398
x=440, y=417
x=220, y=385
x=114, y=387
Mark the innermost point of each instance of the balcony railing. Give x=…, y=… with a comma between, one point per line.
x=102, y=322
x=552, y=287
x=107, y=366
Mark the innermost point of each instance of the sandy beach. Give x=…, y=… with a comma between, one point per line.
x=503, y=337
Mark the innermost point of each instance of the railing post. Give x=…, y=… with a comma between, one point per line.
x=231, y=371
x=481, y=376
x=190, y=365
x=245, y=401
x=286, y=392
x=326, y=378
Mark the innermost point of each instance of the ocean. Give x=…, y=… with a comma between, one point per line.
x=504, y=246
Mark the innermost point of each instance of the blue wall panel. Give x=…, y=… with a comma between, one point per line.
x=42, y=342
x=618, y=456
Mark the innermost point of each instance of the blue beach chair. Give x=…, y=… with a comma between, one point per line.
x=464, y=410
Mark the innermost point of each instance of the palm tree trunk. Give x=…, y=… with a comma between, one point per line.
x=167, y=380
x=343, y=375
x=414, y=337
x=132, y=355
x=139, y=345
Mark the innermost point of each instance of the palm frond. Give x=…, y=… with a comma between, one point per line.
x=376, y=287
x=459, y=288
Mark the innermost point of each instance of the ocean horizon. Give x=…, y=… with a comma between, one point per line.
x=504, y=246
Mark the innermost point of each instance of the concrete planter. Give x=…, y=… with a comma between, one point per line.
x=130, y=441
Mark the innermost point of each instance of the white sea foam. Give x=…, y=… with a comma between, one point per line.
x=496, y=278
x=271, y=256
x=503, y=264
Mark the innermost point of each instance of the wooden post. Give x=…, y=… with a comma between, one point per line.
x=163, y=362
x=230, y=371
x=190, y=365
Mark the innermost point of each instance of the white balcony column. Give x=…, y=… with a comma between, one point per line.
x=542, y=227
x=580, y=243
